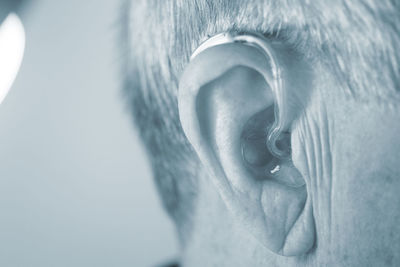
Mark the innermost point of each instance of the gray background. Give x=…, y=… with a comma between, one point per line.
x=75, y=186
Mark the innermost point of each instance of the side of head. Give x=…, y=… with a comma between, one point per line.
x=206, y=122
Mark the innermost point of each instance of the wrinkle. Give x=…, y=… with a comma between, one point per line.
x=329, y=165
x=314, y=133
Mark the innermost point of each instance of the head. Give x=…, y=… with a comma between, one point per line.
x=333, y=198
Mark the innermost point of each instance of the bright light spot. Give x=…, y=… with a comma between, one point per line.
x=276, y=169
x=12, y=44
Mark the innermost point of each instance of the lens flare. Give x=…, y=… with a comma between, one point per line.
x=12, y=45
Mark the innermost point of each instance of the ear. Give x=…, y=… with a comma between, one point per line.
x=227, y=106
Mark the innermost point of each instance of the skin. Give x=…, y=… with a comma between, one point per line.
x=344, y=109
x=353, y=178
x=346, y=150
x=350, y=164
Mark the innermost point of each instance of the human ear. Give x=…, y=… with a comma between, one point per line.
x=233, y=111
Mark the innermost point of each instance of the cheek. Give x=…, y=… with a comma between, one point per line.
x=367, y=184
x=349, y=158
x=366, y=156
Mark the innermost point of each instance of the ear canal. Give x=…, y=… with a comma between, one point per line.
x=258, y=157
x=228, y=107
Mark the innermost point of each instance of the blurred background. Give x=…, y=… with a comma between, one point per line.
x=75, y=184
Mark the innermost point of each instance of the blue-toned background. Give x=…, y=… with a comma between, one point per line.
x=75, y=186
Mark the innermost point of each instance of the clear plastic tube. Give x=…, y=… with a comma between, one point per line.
x=275, y=80
x=277, y=85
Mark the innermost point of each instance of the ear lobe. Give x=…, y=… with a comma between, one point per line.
x=226, y=106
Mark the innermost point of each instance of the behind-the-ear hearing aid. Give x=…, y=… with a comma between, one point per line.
x=276, y=82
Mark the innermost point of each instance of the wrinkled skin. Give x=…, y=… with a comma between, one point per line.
x=347, y=150
x=346, y=146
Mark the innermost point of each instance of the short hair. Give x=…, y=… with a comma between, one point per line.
x=158, y=37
